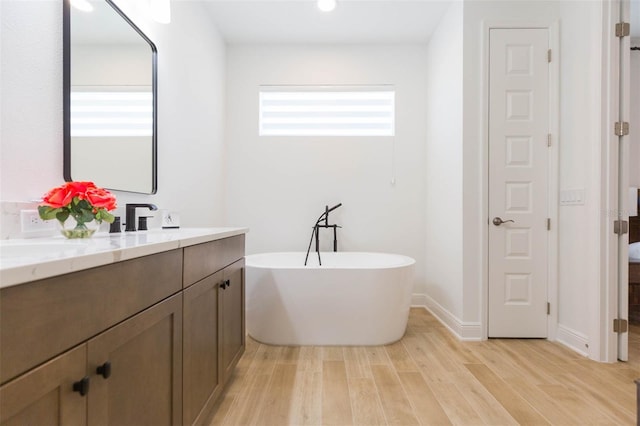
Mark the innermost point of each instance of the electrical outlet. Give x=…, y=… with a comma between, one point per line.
x=30, y=222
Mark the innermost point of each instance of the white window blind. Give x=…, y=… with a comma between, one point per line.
x=327, y=111
x=111, y=113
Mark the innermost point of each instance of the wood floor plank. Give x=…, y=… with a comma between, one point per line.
x=377, y=355
x=541, y=369
x=356, y=362
x=512, y=402
x=575, y=405
x=310, y=359
x=365, y=402
x=454, y=404
x=395, y=404
x=491, y=355
x=264, y=360
x=246, y=406
x=336, y=405
x=551, y=409
x=421, y=353
x=332, y=353
x=400, y=358
x=289, y=355
x=482, y=401
x=306, y=406
x=279, y=396
x=425, y=405
x=461, y=351
x=593, y=395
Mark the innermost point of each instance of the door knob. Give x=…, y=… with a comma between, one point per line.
x=497, y=221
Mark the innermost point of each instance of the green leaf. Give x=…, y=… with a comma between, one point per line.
x=85, y=216
x=83, y=204
x=48, y=213
x=62, y=215
x=106, y=216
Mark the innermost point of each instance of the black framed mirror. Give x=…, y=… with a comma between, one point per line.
x=110, y=99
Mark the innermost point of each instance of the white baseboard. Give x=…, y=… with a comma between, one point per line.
x=470, y=331
x=572, y=339
x=418, y=300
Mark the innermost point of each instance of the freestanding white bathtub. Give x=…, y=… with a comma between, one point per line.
x=352, y=299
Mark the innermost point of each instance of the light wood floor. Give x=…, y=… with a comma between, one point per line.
x=429, y=378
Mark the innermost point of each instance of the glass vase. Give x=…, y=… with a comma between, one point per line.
x=71, y=230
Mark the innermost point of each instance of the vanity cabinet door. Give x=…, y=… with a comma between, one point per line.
x=44, y=395
x=143, y=384
x=232, y=327
x=201, y=378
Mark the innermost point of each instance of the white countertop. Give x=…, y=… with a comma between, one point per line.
x=24, y=260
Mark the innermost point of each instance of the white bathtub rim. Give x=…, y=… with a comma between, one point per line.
x=404, y=261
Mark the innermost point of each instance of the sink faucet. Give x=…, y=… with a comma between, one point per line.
x=130, y=215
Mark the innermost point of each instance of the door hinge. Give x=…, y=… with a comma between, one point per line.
x=620, y=227
x=623, y=29
x=549, y=55
x=549, y=139
x=621, y=128
x=548, y=224
x=548, y=308
x=620, y=325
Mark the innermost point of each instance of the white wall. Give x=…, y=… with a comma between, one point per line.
x=191, y=97
x=443, y=165
x=278, y=186
x=634, y=130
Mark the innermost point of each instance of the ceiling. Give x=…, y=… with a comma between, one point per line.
x=300, y=21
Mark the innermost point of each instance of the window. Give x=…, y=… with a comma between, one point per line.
x=111, y=113
x=327, y=111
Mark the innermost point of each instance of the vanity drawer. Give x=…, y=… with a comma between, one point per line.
x=202, y=260
x=42, y=319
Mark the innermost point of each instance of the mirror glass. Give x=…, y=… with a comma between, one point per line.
x=109, y=99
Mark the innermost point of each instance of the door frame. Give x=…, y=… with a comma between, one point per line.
x=553, y=27
x=613, y=253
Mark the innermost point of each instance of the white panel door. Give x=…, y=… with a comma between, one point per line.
x=518, y=182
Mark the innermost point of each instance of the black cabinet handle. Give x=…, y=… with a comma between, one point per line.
x=223, y=285
x=82, y=387
x=104, y=370
x=228, y=283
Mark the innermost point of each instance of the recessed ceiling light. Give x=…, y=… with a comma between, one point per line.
x=326, y=5
x=82, y=5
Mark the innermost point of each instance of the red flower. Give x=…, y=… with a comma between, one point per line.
x=63, y=195
x=100, y=198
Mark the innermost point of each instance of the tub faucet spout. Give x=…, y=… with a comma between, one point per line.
x=323, y=217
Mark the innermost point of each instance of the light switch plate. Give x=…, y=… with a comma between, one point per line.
x=170, y=219
x=572, y=197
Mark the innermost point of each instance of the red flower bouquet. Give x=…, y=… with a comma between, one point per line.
x=83, y=201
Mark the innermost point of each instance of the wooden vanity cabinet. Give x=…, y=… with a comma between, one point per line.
x=136, y=369
x=163, y=350
x=201, y=379
x=214, y=328
x=45, y=396
x=232, y=326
